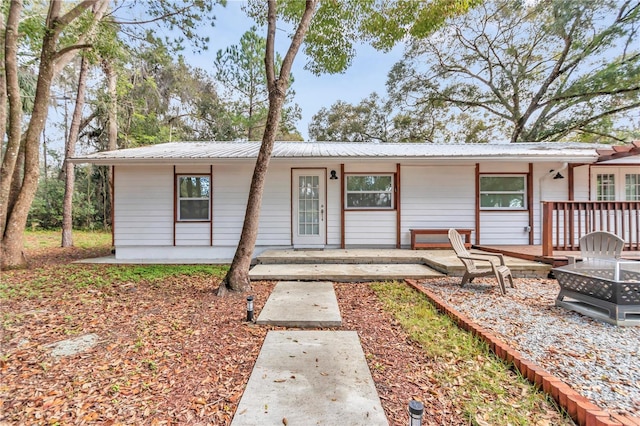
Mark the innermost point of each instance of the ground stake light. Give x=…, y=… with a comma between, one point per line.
x=416, y=409
x=250, y=308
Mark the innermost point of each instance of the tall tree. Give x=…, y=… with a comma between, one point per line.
x=54, y=38
x=55, y=53
x=370, y=120
x=534, y=71
x=237, y=278
x=241, y=70
x=329, y=43
x=69, y=151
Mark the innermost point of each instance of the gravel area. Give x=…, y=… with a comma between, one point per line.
x=598, y=360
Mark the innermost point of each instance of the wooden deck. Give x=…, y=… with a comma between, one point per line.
x=534, y=253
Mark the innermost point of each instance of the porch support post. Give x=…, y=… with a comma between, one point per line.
x=547, y=228
x=530, y=202
x=398, y=209
x=342, y=218
x=477, y=217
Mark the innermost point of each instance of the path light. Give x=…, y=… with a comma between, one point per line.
x=250, y=308
x=416, y=408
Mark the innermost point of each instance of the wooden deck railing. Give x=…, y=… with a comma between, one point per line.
x=565, y=222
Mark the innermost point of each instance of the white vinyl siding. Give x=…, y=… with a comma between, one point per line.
x=547, y=189
x=507, y=222
x=504, y=227
x=144, y=206
x=193, y=234
x=370, y=229
x=436, y=197
x=230, y=193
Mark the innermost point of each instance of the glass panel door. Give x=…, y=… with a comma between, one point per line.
x=308, y=208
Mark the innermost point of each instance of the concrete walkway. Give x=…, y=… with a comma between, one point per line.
x=301, y=304
x=308, y=377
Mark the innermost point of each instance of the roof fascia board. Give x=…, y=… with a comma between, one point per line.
x=408, y=159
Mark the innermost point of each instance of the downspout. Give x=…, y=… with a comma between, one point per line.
x=552, y=172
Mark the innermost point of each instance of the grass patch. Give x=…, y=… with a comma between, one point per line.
x=43, y=282
x=487, y=390
x=155, y=273
x=40, y=239
x=49, y=281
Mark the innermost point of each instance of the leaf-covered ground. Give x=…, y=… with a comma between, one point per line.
x=171, y=352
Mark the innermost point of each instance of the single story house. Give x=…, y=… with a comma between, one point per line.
x=187, y=200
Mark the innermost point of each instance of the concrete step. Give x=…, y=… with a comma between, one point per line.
x=310, y=378
x=341, y=272
x=301, y=304
x=341, y=256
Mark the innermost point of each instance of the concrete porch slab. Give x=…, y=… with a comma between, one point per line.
x=341, y=272
x=310, y=378
x=301, y=304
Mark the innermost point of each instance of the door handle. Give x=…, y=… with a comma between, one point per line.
x=321, y=213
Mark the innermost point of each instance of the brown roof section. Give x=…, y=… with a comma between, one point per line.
x=619, y=151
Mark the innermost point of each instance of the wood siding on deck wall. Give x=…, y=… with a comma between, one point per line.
x=438, y=197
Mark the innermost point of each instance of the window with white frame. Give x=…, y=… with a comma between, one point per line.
x=632, y=187
x=369, y=191
x=194, y=198
x=503, y=192
x=605, y=187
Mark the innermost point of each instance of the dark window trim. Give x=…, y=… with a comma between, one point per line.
x=394, y=192
x=525, y=194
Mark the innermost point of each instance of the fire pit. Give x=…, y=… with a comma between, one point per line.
x=604, y=289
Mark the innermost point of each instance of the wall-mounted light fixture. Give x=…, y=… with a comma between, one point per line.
x=558, y=175
x=334, y=175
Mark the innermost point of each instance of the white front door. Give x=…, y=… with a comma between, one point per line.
x=309, y=206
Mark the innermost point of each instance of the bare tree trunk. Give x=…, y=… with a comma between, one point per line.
x=14, y=134
x=3, y=83
x=70, y=149
x=112, y=82
x=112, y=135
x=237, y=279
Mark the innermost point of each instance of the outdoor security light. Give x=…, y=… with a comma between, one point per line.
x=334, y=175
x=416, y=409
x=249, y=308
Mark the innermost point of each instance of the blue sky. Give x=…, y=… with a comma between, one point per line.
x=367, y=74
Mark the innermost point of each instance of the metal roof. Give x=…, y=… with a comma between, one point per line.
x=205, y=152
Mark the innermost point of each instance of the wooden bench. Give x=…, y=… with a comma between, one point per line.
x=424, y=245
